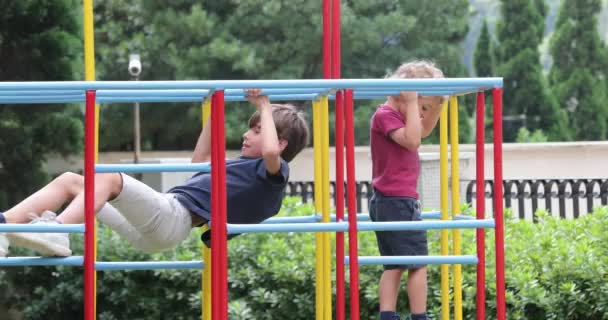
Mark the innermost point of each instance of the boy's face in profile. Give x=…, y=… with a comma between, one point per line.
x=252, y=142
x=427, y=104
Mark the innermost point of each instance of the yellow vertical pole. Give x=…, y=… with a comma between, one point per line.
x=318, y=189
x=89, y=75
x=455, y=205
x=443, y=172
x=206, y=276
x=326, y=247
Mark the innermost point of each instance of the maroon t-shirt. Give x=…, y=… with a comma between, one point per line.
x=395, y=169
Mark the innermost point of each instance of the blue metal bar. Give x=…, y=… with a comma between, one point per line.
x=148, y=265
x=288, y=227
x=173, y=167
x=42, y=228
x=424, y=225
x=41, y=261
x=33, y=93
x=401, y=84
x=299, y=219
x=415, y=260
x=361, y=226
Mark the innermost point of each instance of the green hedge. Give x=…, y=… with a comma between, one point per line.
x=556, y=269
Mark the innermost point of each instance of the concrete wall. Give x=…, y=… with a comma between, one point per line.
x=520, y=161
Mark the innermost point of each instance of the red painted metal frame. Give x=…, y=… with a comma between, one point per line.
x=498, y=206
x=352, y=205
x=89, y=207
x=219, y=260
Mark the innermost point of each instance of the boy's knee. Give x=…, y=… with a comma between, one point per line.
x=112, y=182
x=72, y=182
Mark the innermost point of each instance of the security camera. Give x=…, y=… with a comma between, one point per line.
x=134, y=65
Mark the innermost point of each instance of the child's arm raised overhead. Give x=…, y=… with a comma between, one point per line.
x=429, y=121
x=202, y=151
x=410, y=135
x=271, y=149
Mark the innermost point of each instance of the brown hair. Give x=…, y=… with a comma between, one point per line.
x=291, y=126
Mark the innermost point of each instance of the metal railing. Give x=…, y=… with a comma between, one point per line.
x=568, y=198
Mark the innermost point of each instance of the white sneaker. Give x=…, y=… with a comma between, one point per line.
x=3, y=245
x=47, y=244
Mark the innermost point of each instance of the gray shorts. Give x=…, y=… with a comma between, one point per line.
x=398, y=243
x=151, y=221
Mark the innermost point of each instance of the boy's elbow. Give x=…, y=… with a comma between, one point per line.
x=412, y=144
x=271, y=152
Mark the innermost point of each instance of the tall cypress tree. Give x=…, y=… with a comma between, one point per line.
x=580, y=67
x=483, y=59
x=526, y=92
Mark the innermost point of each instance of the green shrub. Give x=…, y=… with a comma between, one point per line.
x=556, y=269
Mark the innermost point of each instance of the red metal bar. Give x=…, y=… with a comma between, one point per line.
x=501, y=312
x=335, y=52
x=340, y=294
x=221, y=163
x=480, y=207
x=219, y=258
x=352, y=205
x=326, y=39
x=89, y=207
x=215, y=248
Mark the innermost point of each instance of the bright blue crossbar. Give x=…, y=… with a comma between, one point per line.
x=369, y=260
x=361, y=226
x=174, y=167
x=149, y=265
x=99, y=265
x=401, y=84
x=16, y=227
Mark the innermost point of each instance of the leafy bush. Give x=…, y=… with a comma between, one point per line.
x=556, y=269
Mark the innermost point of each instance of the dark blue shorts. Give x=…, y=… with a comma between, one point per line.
x=398, y=243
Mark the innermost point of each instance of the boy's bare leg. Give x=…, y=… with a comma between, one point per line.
x=417, y=290
x=65, y=188
x=389, y=289
x=51, y=197
x=107, y=187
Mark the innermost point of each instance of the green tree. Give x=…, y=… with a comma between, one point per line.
x=483, y=59
x=259, y=39
x=526, y=94
x=39, y=40
x=580, y=68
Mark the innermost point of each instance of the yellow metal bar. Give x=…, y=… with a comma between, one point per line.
x=206, y=275
x=455, y=205
x=318, y=185
x=89, y=75
x=326, y=247
x=443, y=172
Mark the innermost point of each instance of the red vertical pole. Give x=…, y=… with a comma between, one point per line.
x=480, y=207
x=340, y=299
x=498, y=206
x=219, y=258
x=215, y=257
x=221, y=163
x=326, y=39
x=89, y=207
x=352, y=205
x=335, y=46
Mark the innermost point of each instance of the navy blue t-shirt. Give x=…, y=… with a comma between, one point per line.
x=253, y=194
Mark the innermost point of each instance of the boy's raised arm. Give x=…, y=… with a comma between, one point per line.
x=202, y=151
x=430, y=120
x=271, y=150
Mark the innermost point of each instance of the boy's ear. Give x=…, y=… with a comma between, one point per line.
x=283, y=144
